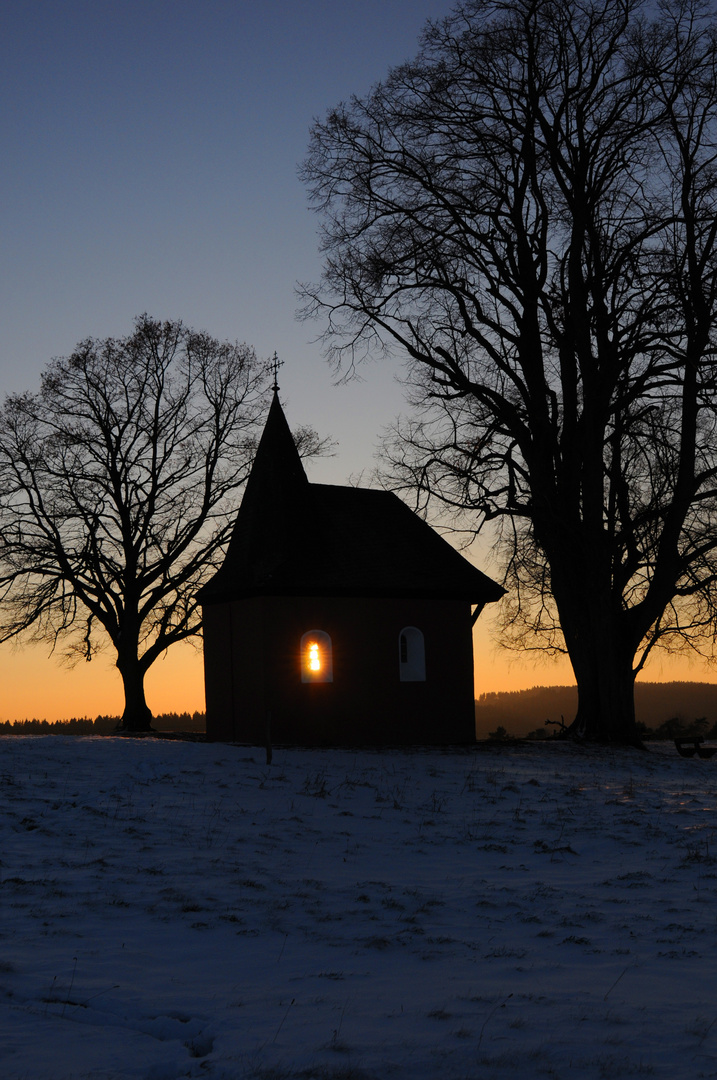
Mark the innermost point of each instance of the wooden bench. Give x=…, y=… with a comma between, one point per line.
x=688, y=747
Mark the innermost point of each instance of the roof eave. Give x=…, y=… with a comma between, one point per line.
x=348, y=592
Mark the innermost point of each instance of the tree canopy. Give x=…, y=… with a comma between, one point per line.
x=528, y=213
x=119, y=481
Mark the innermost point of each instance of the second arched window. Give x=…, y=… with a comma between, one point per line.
x=411, y=655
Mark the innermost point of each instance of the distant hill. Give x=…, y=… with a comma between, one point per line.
x=522, y=711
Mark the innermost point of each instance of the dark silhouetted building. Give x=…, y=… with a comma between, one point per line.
x=338, y=616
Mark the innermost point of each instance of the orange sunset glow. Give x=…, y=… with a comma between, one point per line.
x=35, y=684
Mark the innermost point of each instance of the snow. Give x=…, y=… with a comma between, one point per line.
x=175, y=909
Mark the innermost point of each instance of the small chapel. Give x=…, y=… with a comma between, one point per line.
x=339, y=617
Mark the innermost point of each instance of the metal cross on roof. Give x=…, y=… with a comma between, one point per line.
x=276, y=363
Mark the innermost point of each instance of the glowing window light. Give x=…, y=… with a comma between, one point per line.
x=316, y=655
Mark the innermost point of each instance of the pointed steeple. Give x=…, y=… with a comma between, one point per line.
x=277, y=472
x=269, y=524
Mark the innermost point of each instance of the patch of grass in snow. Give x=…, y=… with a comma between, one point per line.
x=505, y=952
x=389, y=902
x=701, y=1028
x=318, y=1072
x=436, y=804
x=316, y=786
x=200, y=1046
x=610, y=1067
x=471, y=782
x=380, y=943
x=699, y=853
x=494, y=776
x=394, y=795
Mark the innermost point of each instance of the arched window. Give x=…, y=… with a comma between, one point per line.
x=317, y=663
x=411, y=655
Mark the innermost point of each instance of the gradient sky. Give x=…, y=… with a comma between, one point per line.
x=148, y=163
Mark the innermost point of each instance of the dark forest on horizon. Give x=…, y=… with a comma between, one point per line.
x=101, y=725
x=667, y=709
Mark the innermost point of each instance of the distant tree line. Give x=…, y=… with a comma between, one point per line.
x=664, y=710
x=675, y=728
x=102, y=725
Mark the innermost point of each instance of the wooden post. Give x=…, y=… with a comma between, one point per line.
x=268, y=737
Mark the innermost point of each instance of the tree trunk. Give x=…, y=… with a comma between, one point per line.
x=136, y=716
x=606, y=694
x=601, y=646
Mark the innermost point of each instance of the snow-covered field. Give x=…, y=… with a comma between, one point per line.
x=172, y=909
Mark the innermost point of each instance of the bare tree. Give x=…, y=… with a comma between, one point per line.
x=529, y=212
x=118, y=483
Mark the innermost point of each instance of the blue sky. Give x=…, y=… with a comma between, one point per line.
x=149, y=157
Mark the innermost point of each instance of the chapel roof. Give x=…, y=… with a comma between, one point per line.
x=292, y=537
